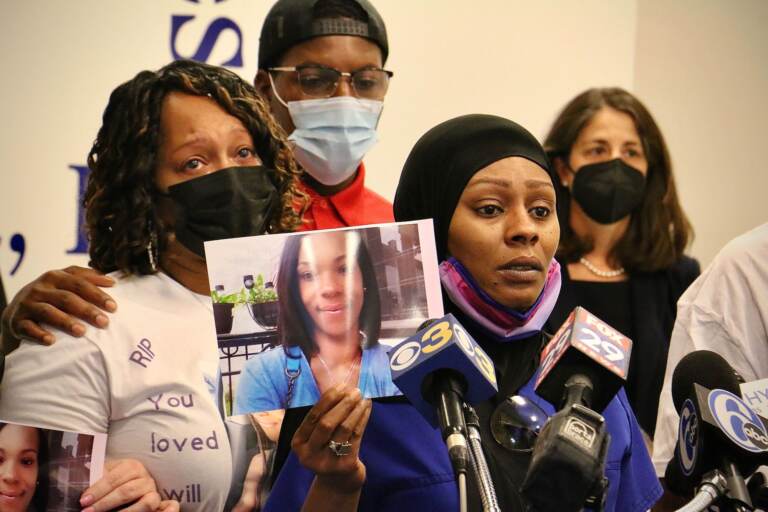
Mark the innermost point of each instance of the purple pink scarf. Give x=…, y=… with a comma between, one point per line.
x=503, y=323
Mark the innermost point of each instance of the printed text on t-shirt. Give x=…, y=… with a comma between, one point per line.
x=143, y=354
x=172, y=401
x=189, y=494
x=160, y=444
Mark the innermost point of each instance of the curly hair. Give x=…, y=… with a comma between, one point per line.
x=658, y=230
x=121, y=193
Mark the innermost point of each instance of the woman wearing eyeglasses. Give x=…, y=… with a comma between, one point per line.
x=488, y=186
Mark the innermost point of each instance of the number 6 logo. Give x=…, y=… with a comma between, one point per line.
x=738, y=420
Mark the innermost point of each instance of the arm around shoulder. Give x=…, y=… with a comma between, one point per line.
x=57, y=298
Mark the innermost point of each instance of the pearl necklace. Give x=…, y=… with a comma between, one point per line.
x=602, y=273
x=349, y=372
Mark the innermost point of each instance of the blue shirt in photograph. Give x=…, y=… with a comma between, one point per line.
x=263, y=383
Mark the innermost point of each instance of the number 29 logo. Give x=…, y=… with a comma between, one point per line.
x=603, y=347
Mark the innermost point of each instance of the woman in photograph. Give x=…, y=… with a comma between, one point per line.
x=329, y=324
x=23, y=484
x=185, y=154
x=488, y=186
x=623, y=231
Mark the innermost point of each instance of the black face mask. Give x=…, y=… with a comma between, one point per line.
x=608, y=191
x=232, y=202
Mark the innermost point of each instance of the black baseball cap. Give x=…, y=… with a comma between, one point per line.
x=291, y=22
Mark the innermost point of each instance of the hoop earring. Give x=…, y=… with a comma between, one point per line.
x=152, y=254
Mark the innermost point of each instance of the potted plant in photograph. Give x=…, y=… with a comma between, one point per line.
x=223, y=304
x=262, y=301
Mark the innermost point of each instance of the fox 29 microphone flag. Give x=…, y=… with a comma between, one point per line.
x=584, y=344
x=444, y=344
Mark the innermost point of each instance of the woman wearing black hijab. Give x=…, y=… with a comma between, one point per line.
x=488, y=186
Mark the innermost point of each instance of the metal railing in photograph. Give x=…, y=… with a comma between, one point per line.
x=234, y=351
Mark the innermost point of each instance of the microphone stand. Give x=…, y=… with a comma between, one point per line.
x=573, y=442
x=738, y=495
x=448, y=392
x=728, y=484
x=479, y=464
x=713, y=485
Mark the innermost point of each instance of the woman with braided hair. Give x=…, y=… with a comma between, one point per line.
x=185, y=154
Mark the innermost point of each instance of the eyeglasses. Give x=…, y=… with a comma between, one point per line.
x=322, y=82
x=516, y=423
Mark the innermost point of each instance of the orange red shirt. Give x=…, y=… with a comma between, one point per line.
x=356, y=205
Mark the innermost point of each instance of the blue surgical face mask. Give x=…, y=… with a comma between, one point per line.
x=333, y=135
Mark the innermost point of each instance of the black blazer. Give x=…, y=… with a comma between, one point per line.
x=653, y=306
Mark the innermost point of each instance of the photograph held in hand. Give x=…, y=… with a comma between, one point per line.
x=299, y=314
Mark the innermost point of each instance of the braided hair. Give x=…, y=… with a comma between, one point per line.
x=121, y=195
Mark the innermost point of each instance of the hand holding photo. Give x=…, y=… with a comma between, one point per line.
x=324, y=308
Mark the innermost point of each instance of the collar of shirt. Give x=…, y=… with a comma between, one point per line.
x=353, y=206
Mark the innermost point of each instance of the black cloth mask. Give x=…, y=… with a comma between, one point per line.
x=608, y=191
x=230, y=203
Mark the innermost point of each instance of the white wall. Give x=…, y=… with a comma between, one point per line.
x=518, y=59
x=702, y=69
x=523, y=60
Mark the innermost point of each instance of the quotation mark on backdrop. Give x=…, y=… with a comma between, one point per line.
x=18, y=245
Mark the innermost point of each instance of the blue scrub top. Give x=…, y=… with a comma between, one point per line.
x=408, y=467
x=263, y=385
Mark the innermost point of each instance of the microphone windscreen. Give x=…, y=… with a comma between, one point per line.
x=705, y=368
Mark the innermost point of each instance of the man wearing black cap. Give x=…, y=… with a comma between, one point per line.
x=321, y=70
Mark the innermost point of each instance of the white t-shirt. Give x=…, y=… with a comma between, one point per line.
x=726, y=311
x=148, y=380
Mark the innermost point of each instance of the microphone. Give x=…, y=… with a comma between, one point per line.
x=711, y=371
x=705, y=368
x=586, y=346
x=582, y=368
x=718, y=432
x=437, y=369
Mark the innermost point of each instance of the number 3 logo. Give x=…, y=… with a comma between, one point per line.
x=440, y=334
x=486, y=366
